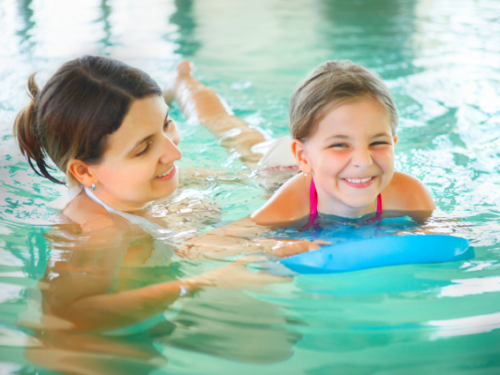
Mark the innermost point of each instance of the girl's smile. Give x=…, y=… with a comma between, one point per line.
x=351, y=157
x=359, y=183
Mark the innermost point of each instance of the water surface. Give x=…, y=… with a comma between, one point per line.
x=441, y=60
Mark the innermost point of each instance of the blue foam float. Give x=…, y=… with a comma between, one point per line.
x=380, y=252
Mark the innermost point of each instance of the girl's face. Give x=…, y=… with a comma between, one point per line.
x=138, y=165
x=351, y=157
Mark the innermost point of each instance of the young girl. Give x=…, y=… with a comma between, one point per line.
x=343, y=122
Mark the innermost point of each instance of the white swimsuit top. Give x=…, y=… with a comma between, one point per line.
x=155, y=230
x=163, y=253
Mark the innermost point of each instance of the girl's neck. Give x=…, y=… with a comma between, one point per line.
x=331, y=206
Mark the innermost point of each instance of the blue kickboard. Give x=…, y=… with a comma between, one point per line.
x=380, y=252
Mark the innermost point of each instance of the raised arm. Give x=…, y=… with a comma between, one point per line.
x=201, y=104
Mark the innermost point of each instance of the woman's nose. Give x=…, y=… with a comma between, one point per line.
x=170, y=151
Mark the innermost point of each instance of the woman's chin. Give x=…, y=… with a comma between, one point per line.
x=167, y=190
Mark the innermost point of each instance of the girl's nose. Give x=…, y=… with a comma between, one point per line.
x=170, y=151
x=362, y=158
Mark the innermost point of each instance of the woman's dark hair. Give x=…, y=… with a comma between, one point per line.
x=81, y=104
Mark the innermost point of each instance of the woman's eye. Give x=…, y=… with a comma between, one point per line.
x=167, y=124
x=144, y=151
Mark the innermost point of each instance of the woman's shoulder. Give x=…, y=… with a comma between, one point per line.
x=289, y=203
x=407, y=193
x=88, y=214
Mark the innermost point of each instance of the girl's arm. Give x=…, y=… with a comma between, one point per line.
x=290, y=203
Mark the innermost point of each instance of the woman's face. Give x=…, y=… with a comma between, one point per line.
x=138, y=165
x=351, y=156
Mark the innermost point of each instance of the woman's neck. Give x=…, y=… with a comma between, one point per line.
x=110, y=204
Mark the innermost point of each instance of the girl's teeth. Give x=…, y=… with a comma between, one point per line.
x=164, y=174
x=358, y=181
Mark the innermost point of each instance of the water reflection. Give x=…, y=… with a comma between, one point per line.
x=441, y=62
x=99, y=302
x=185, y=36
x=358, y=30
x=106, y=13
x=26, y=14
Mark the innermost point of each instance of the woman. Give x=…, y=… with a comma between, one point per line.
x=105, y=125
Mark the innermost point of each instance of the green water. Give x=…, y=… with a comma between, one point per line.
x=441, y=60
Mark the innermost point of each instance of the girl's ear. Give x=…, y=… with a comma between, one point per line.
x=300, y=153
x=395, y=139
x=81, y=172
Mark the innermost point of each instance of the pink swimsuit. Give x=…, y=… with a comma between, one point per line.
x=313, y=216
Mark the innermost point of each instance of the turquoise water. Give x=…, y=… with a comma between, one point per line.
x=441, y=60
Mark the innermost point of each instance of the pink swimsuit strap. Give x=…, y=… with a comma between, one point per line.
x=313, y=197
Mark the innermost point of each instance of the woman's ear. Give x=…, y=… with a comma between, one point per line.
x=81, y=172
x=300, y=153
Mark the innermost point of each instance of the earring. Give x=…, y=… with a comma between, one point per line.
x=93, y=186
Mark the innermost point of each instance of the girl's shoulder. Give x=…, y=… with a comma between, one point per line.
x=407, y=193
x=289, y=203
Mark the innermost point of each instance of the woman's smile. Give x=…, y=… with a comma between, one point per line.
x=168, y=174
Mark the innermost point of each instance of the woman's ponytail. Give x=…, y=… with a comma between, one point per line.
x=26, y=130
x=72, y=115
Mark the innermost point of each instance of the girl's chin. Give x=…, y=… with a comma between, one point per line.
x=360, y=204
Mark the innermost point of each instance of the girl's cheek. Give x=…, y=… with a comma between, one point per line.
x=339, y=157
x=384, y=153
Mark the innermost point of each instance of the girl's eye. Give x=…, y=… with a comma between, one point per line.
x=339, y=145
x=379, y=143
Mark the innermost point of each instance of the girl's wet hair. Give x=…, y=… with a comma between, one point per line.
x=330, y=84
x=82, y=103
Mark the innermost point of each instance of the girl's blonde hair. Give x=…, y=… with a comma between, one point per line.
x=330, y=84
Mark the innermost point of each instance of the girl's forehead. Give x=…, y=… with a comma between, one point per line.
x=364, y=116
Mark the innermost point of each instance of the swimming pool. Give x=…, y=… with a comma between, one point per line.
x=442, y=62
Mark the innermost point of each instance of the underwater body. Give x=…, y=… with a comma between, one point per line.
x=441, y=61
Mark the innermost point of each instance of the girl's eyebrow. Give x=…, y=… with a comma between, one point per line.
x=341, y=136
x=381, y=135
x=149, y=136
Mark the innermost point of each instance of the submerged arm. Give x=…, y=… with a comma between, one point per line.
x=241, y=237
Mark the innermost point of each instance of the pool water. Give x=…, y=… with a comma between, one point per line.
x=441, y=60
